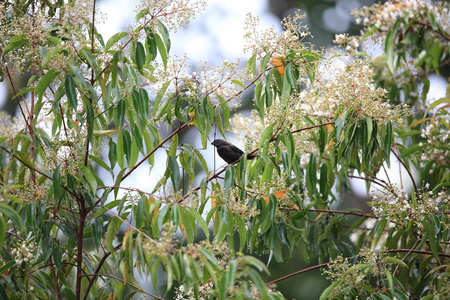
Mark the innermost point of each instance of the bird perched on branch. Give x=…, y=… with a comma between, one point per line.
x=229, y=152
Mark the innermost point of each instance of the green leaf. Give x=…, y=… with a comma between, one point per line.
x=259, y=282
x=15, y=42
x=164, y=108
x=105, y=132
x=189, y=224
x=229, y=178
x=71, y=92
x=175, y=173
x=162, y=49
x=437, y=102
x=431, y=235
x=266, y=134
x=165, y=35
x=160, y=95
x=395, y=260
x=3, y=230
x=90, y=121
x=9, y=212
x=45, y=81
x=173, y=147
x=140, y=56
x=408, y=151
x=193, y=212
x=120, y=113
x=90, y=60
x=242, y=231
x=380, y=226
x=6, y=266
x=50, y=55
x=111, y=233
x=290, y=75
x=369, y=129
x=139, y=211
x=114, y=39
x=57, y=184
x=90, y=178
x=390, y=280
x=327, y=292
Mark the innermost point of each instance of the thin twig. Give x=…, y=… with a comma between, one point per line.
x=343, y=212
x=352, y=257
x=99, y=267
x=183, y=125
x=127, y=283
x=407, y=169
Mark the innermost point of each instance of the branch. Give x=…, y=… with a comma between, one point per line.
x=352, y=257
x=407, y=169
x=80, y=237
x=216, y=174
x=55, y=279
x=121, y=280
x=99, y=267
x=303, y=271
x=343, y=212
x=183, y=125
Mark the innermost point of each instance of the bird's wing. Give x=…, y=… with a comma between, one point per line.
x=234, y=148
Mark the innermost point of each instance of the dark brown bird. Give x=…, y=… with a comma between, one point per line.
x=229, y=152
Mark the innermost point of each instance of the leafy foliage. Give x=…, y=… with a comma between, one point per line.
x=95, y=113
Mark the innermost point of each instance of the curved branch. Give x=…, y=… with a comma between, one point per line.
x=130, y=284
x=343, y=212
x=352, y=257
x=99, y=267
x=183, y=125
x=407, y=169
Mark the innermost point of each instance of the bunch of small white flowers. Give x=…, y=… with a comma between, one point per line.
x=350, y=43
x=269, y=41
x=392, y=203
x=350, y=85
x=436, y=133
x=395, y=204
x=222, y=82
x=350, y=275
x=166, y=243
x=174, y=14
x=204, y=292
x=24, y=251
x=387, y=14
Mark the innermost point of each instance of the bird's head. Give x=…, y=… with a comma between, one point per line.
x=219, y=143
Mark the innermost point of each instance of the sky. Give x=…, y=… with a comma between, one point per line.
x=214, y=35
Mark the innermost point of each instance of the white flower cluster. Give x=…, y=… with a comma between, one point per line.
x=436, y=133
x=223, y=82
x=269, y=41
x=351, y=43
x=396, y=205
x=387, y=14
x=174, y=14
x=349, y=85
x=24, y=252
x=204, y=291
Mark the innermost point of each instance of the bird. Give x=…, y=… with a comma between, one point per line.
x=229, y=152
